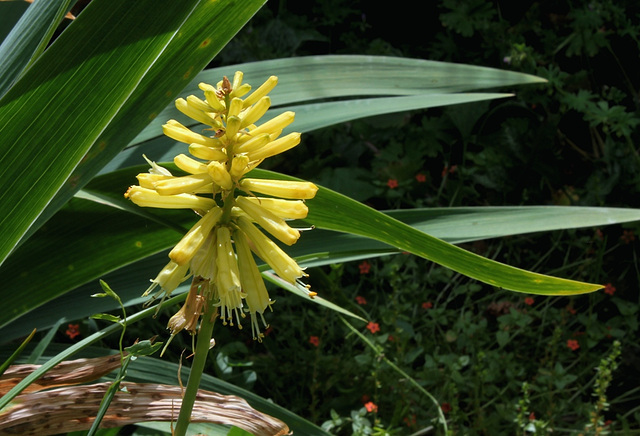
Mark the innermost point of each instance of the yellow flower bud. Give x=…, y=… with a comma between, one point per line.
x=220, y=175
x=189, y=165
x=276, y=147
x=286, y=209
x=269, y=221
x=144, y=197
x=280, y=188
x=148, y=180
x=183, y=106
x=203, y=263
x=233, y=125
x=234, y=108
x=184, y=250
x=169, y=278
x=276, y=124
x=239, y=166
x=207, y=153
x=255, y=112
x=254, y=143
x=262, y=90
x=184, y=184
x=269, y=252
x=177, y=131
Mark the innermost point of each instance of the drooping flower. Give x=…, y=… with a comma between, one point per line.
x=218, y=251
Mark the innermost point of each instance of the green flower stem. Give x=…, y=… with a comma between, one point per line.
x=199, y=359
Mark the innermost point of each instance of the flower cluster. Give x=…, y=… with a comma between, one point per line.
x=219, y=249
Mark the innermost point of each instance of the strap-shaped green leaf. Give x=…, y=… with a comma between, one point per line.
x=28, y=38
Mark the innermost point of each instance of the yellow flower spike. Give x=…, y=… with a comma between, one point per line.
x=177, y=131
x=255, y=112
x=148, y=180
x=199, y=104
x=276, y=124
x=269, y=221
x=276, y=147
x=169, y=278
x=189, y=165
x=239, y=166
x=203, y=263
x=228, y=276
x=144, y=197
x=234, y=108
x=183, y=106
x=254, y=143
x=280, y=188
x=286, y=209
x=283, y=265
x=207, y=153
x=220, y=175
x=182, y=185
x=262, y=90
x=184, y=250
x=233, y=125
x=257, y=296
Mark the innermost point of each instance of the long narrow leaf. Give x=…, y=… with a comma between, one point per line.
x=28, y=38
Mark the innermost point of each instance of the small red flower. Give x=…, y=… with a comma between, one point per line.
x=73, y=330
x=392, y=183
x=532, y=416
x=361, y=300
x=627, y=236
x=599, y=234
x=609, y=289
x=371, y=407
x=314, y=340
x=373, y=327
x=427, y=305
x=446, y=407
x=529, y=301
x=573, y=344
x=421, y=178
x=365, y=267
x=410, y=420
x=391, y=338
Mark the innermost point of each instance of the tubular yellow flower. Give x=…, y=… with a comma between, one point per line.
x=276, y=147
x=177, y=131
x=228, y=280
x=145, y=197
x=269, y=221
x=253, y=144
x=269, y=252
x=181, y=185
x=207, y=153
x=255, y=112
x=202, y=117
x=169, y=278
x=193, y=240
x=275, y=125
x=219, y=175
x=280, y=188
x=203, y=263
x=286, y=209
x=189, y=165
x=239, y=166
x=262, y=90
x=252, y=284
